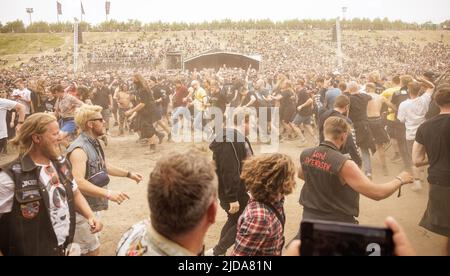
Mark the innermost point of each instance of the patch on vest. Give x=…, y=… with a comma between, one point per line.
x=30, y=210
x=28, y=183
x=134, y=241
x=17, y=168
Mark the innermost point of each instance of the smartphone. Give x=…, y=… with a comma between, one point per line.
x=320, y=238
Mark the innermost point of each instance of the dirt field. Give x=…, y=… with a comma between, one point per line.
x=125, y=152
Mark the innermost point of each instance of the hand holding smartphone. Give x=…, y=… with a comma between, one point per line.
x=319, y=238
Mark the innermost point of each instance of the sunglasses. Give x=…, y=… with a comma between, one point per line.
x=98, y=119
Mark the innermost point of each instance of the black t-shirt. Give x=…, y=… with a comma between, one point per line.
x=228, y=90
x=399, y=97
x=379, y=88
x=358, y=107
x=101, y=98
x=146, y=98
x=434, y=135
x=288, y=100
x=433, y=111
x=303, y=97
x=219, y=100
x=50, y=105
x=247, y=98
x=166, y=91
x=157, y=93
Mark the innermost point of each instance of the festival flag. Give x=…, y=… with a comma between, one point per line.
x=107, y=7
x=82, y=9
x=59, y=8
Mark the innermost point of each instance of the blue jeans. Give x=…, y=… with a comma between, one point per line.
x=367, y=163
x=179, y=111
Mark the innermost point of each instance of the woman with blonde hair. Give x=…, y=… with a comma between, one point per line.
x=268, y=178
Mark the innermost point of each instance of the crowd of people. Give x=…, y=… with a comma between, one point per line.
x=391, y=94
x=126, y=54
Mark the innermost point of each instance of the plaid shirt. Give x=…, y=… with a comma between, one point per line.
x=260, y=232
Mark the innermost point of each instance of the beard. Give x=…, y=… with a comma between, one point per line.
x=51, y=150
x=99, y=131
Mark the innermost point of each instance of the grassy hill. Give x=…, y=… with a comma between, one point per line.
x=29, y=43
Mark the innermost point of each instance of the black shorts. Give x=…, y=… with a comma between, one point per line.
x=287, y=115
x=157, y=113
x=396, y=130
x=378, y=132
x=147, y=129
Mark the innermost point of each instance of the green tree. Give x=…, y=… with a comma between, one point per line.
x=38, y=27
x=14, y=27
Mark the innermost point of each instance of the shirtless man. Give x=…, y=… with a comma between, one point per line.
x=123, y=98
x=376, y=123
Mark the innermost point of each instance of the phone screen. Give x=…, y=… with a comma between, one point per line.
x=320, y=238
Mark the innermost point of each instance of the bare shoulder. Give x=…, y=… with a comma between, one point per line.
x=78, y=155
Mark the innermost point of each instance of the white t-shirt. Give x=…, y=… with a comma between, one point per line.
x=25, y=94
x=5, y=105
x=412, y=113
x=59, y=208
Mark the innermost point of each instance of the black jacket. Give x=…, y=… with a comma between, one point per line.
x=229, y=152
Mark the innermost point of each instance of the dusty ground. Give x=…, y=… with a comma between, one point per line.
x=125, y=152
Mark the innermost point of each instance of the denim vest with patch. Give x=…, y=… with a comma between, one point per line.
x=95, y=168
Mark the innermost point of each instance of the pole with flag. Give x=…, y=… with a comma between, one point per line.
x=58, y=10
x=82, y=11
x=107, y=8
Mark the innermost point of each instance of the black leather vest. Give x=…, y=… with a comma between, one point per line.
x=323, y=190
x=27, y=230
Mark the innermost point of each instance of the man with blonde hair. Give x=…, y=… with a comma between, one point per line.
x=92, y=172
x=38, y=194
x=200, y=104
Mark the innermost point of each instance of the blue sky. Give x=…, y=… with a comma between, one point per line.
x=200, y=10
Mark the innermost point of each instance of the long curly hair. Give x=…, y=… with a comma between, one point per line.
x=269, y=176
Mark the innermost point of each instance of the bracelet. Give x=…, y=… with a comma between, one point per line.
x=401, y=184
x=108, y=195
x=129, y=174
x=20, y=122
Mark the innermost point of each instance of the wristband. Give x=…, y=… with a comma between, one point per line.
x=400, y=188
x=108, y=195
x=129, y=174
